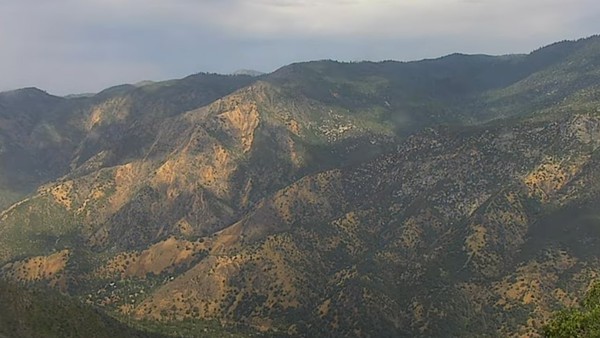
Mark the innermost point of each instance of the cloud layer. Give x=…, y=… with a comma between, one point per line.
x=69, y=46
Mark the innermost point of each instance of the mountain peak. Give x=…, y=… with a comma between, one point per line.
x=249, y=72
x=27, y=92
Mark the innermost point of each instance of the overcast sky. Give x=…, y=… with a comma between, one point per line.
x=72, y=46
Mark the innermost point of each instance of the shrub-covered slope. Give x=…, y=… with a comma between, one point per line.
x=456, y=195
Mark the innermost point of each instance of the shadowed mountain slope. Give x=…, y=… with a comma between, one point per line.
x=29, y=313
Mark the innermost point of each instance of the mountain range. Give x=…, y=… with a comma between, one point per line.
x=455, y=196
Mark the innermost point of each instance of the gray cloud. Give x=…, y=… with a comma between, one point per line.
x=68, y=46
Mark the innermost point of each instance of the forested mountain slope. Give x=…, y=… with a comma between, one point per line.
x=449, y=196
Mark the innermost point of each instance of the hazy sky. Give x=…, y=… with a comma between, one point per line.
x=71, y=46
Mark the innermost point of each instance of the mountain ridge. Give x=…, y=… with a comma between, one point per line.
x=325, y=198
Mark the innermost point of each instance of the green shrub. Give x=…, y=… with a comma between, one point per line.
x=578, y=322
